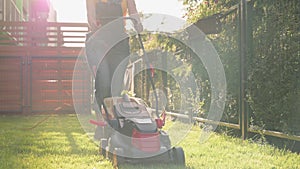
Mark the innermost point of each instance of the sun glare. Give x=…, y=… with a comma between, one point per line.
x=168, y=7
x=75, y=10
x=70, y=10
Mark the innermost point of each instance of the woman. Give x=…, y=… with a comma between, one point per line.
x=94, y=13
x=100, y=13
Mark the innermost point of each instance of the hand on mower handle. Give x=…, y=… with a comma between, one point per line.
x=139, y=27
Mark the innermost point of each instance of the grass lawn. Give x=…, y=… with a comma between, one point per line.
x=60, y=142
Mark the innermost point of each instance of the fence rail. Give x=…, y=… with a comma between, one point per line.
x=235, y=126
x=42, y=38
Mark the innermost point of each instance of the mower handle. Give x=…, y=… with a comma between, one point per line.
x=135, y=22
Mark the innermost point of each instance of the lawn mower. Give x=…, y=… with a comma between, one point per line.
x=131, y=132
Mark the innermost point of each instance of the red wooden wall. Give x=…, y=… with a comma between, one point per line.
x=36, y=76
x=10, y=84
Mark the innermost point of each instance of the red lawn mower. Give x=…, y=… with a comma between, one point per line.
x=132, y=134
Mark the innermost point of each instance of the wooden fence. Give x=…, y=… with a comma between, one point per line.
x=36, y=66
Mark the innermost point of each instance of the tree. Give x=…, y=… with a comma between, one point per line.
x=273, y=60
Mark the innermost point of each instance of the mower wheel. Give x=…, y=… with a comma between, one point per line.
x=178, y=156
x=103, y=145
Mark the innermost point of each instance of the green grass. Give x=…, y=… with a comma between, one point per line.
x=60, y=142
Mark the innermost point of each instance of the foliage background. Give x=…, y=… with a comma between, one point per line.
x=273, y=78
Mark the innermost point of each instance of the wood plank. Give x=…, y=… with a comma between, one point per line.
x=6, y=92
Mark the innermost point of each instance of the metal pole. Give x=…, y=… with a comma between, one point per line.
x=243, y=54
x=165, y=76
x=3, y=10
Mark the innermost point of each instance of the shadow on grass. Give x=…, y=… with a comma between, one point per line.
x=57, y=138
x=60, y=142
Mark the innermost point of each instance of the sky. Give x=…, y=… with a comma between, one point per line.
x=76, y=11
